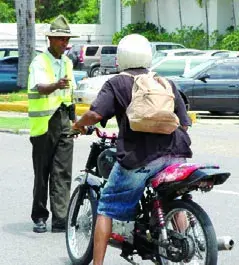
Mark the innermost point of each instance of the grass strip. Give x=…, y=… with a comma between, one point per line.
x=18, y=123
x=15, y=96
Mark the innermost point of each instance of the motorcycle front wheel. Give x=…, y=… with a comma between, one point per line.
x=191, y=221
x=81, y=219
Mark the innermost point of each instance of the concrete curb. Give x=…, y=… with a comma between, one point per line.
x=22, y=106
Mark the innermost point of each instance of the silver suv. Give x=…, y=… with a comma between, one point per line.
x=108, y=60
x=86, y=57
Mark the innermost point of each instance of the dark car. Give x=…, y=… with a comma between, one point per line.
x=12, y=51
x=9, y=71
x=211, y=86
x=8, y=74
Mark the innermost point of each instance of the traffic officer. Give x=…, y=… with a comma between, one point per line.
x=50, y=91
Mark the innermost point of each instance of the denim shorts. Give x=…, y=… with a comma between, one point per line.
x=124, y=188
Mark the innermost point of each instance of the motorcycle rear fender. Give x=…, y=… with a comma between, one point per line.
x=217, y=176
x=210, y=175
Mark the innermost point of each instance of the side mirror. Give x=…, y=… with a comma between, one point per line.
x=203, y=77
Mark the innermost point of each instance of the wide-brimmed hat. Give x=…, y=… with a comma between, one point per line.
x=60, y=28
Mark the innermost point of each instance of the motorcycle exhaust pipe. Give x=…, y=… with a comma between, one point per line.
x=225, y=243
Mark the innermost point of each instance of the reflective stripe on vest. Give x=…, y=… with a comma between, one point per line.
x=42, y=107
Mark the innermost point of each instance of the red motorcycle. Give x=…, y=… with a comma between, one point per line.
x=169, y=227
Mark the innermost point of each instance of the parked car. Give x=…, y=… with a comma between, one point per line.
x=13, y=51
x=88, y=89
x=108, y=60
x=211, y=86
x=180, y=52
x=159, y=46
x=9, y=72
x=87, y=57
x=220, y=53
x=177, y=65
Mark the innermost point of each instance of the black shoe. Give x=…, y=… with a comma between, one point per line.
x=40, y=226
x=58, y=229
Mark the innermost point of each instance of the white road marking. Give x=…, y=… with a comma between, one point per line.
x=227, y=192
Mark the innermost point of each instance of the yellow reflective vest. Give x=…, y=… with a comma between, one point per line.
x=42, y=107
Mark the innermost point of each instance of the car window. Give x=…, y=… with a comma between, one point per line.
x=10, y=61
x=189, y=53
x=109, y=50
x=171, y=67
x=199, y=68
x=224, y=71
x=2, y=54
x=196, y=61
x=91, y=51
x=168, y=47
x=221, y=54
x=13, y=53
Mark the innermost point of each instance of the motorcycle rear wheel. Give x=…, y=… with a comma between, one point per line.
x=203, y=234
x=79, y=237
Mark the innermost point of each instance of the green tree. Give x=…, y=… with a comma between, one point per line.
x=133, y=2
x=7, y=14
x=87, y=14
x=77, y=11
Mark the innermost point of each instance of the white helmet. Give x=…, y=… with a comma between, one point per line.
x=134, y=51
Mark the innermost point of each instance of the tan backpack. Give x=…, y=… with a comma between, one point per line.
x=152, y=105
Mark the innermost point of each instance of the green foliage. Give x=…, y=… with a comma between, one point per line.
x=7, y=14
x=193, y=37
x=132, y=2
x=190, y=37
x=87, y=14
x=231, y=41
x=149, y=30
x=77, y=11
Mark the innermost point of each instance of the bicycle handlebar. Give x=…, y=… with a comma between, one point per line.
x=90, y=130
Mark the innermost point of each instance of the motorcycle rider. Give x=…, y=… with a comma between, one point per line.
x=139, y=155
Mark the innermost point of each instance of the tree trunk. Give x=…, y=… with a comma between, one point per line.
x=25, y=13
x=158, y=16
x=233, y=15
x=207, y=23
x=180, y=14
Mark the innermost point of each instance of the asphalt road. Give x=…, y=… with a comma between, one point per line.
x=214, y=142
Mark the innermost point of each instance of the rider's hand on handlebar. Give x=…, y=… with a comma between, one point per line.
x=81, y=129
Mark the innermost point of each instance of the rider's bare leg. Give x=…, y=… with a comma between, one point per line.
x=103, y=229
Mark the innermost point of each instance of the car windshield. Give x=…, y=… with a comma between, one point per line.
x=197, y=69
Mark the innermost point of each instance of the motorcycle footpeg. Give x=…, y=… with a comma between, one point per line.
x=130, y=260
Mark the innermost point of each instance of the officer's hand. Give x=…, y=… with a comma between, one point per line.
x=63, y=83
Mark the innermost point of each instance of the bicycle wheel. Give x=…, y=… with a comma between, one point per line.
x=79, y=233
x=193, y=223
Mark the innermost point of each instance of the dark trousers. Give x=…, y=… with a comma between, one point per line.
x=52, y=155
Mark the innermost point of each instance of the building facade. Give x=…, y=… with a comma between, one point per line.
x=163, y=13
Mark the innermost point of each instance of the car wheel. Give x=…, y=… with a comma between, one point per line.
x=95, y=71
